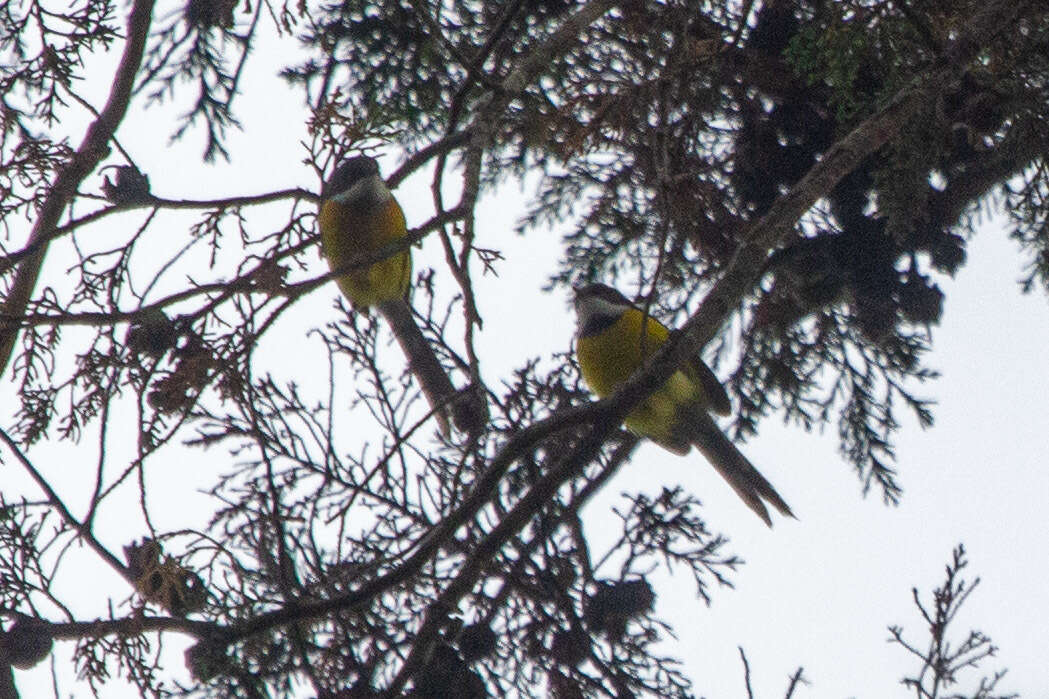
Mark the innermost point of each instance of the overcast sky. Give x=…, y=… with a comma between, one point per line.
x=820, y=591
x=816, y=592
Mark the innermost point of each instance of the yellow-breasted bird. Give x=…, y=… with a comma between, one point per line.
x=611, y=346
x=358, y=214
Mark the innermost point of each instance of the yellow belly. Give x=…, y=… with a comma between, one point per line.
x=344, y=235
x=611, y=357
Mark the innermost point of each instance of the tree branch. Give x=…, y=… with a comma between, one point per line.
x=740, y=275
x=92, y=150
x=37, y=244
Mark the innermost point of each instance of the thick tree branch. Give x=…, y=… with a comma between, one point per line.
x=740, y=275
x=569, y=33
x=92, y=150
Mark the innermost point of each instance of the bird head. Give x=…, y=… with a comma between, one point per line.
x=597, y=306
x=356, y=180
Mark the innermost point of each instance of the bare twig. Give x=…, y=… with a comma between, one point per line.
x=746, y=673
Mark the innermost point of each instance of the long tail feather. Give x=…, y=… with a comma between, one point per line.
x=752, y=487
x=467, y=410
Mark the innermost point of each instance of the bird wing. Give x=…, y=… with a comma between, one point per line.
x=716, y=399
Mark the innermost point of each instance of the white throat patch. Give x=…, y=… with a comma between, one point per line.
x=369, y=190
x=594, y=311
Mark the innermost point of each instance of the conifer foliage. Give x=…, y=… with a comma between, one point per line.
x=802, y=172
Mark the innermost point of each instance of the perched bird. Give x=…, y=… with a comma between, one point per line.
x=611, y=346
x=358, y=214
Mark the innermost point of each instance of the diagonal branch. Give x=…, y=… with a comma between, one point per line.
x=92, y=150
x=740, y=275
x=606, y=415
x=81, y=528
